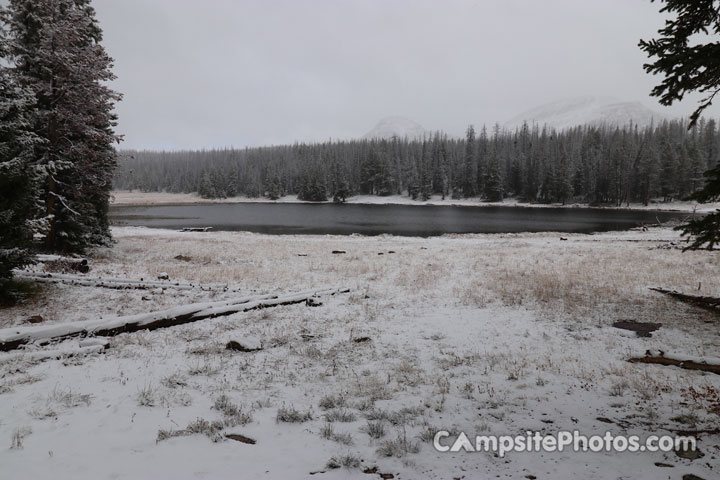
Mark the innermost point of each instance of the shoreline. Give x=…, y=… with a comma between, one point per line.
x=131, y=198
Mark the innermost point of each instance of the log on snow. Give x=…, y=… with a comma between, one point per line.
x=710, y=303
x=196, y=229
x=41, y=356
x=658, y=357
x=118, y=283
x=65, y=263
x=12, y=338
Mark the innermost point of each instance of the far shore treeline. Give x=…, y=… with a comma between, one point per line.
x=587, y=164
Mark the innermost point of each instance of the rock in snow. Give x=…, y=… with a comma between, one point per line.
x=245, y=344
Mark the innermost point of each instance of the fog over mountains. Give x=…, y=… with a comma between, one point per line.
x=588, y=110
x=560, y=115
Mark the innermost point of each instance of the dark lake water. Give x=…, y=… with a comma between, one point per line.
x=406, y=220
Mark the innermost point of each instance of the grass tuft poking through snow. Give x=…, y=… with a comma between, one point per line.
x=292, y=415
x=399, y=447
x=233, y=415
x=18, y=435
x=375, y=429
x=346, y=461
x=340, y=415
x=198, y=426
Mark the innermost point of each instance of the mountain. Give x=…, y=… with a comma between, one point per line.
x=396, y=127
x=587, y=110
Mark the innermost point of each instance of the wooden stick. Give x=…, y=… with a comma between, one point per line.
x=659, y=358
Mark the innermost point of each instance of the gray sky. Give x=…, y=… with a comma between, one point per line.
x=256, y=72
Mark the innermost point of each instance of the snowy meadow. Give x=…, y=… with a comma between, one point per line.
x=482, y=334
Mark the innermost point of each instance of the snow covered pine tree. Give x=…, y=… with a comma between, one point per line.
x=20, y=177
x=53, y=48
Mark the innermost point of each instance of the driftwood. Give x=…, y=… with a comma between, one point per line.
x=708, y=303
x=658, y=357
x=15, y=337
x=196, y=229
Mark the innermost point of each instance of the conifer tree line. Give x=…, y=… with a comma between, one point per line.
x=596, y=165
x=57, y=151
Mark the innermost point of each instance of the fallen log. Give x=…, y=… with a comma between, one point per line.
x=60, y=263
x=196, y=229
x=41, y=356
x=118, y=283
x=709, y=303
x=658, y=357
x=15, y=337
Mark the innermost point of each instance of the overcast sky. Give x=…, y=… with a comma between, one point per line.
x=247, y=73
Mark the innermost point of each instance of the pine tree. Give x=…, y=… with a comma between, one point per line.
x=494, y=183
x=424, y=179
x=274, y=187
x=231, y=184
x=339, y=186
x=206, y=189
x=54, y=49
x=667, y=172
x=312, y=186
x=690, y=66
x=468, y=184
x=20, y=177
x=711, y=148
x=564, y=187
x=481, y=155
x=704, y=232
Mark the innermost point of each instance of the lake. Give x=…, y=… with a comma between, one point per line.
x=405, y=220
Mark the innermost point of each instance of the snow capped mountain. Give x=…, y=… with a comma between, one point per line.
x=396, y=127
x=587, y=110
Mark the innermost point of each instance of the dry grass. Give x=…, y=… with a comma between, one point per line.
x=578, y=277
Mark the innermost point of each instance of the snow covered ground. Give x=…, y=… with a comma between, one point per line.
x=161, y=198
x=486, y=334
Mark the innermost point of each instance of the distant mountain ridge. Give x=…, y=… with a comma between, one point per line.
x=396, y=126
x=588, y=110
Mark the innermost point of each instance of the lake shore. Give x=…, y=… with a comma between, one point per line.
x=484, y=334
x=130, y=198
